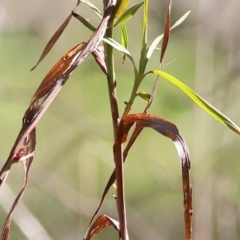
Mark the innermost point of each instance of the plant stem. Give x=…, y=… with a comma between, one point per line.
x=109, y=58
x=118, y=149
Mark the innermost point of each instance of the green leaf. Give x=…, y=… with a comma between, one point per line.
x=117, y=46
x=144, y=95
x=157, y=40
x=200, y=101
x=143, y=61
x=128, y=14
x=84, y=22
x=180, y=20
x=93, y=7
x=153, y=46
x=120, y=48
x=122, y=7
x=124, y=38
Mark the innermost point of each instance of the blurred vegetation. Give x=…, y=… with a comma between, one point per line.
x=74, y=138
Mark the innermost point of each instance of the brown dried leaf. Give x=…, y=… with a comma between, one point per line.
x=101, y=222
x=47, y=90
x=166, y=32
x=59, y=71
x=27, y=157
x=53, y=40
x=169, y=130
x=55, y=37
x=53, y=83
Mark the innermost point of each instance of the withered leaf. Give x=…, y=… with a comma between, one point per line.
x=55, y=37
x=101, y=222
x=53, y=83
x=169, y=130
x=166, y=34
x=29, y=145
x=53, y=40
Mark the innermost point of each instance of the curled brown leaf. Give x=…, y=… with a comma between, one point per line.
x=169, y=130
x=27, y=158
x=99, y=224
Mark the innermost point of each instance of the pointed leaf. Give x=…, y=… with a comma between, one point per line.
x=143, y=60
x=120, y=48
x=180, y=20
x=200, y=101
x=93, y=7
x=166, y=32
x=122, y=7
x=128, y=14
x=84, y=21
x=53, y=40
x=157, y=40
x=124, y=38
x=117, y=46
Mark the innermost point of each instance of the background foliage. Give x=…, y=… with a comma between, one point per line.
x=74, y=151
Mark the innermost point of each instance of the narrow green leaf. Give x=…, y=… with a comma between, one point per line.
x=180, y=20
x=124, y=38
x=200, y=101
x=128, y=14
x=157, y=40
x=93, y=7
x=84, y=22
x=153, y=46
x=122, y=7
x=117, y=46
x=120, y=48
x=142, y=61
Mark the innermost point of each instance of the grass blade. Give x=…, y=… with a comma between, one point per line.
x=93, y=7
x=124, y=38
x=84, y=21
x=157, y=40
x=143, y=60
x=166, y=32
x=207, y=107
x=53, y=40
x=128, y=14
x=122, y=7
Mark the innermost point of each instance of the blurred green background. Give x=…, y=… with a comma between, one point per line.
x=74, y=138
